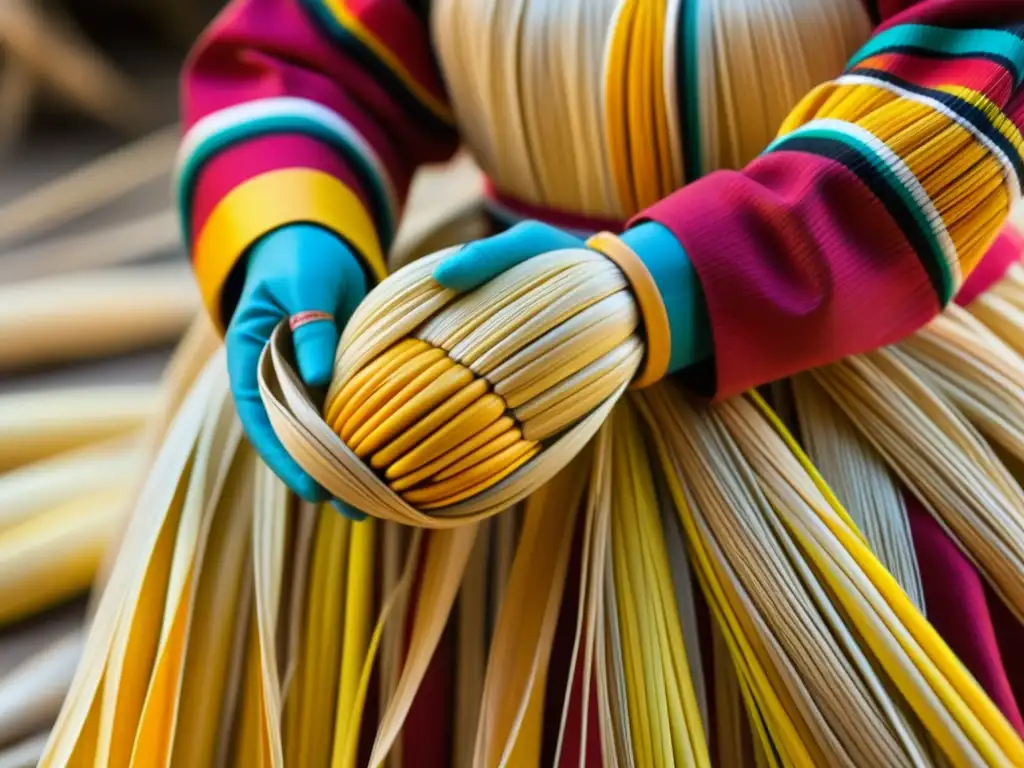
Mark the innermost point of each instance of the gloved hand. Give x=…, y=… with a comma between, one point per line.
x=480, y=261
x=293, y=271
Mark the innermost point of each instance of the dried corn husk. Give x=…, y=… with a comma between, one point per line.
x=42, y=485
x=572, y=353
x=95, y=313
x=741, y=484
x=55, y=555
x=38, y=425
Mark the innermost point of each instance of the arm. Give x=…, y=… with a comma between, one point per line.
x=311, y=111
x=305, y=121
x=883, y=191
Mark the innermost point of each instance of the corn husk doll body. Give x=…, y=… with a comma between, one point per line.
x=807, y=549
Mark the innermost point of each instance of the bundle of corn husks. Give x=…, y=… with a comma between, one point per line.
x=684, y=588
x=73, y=458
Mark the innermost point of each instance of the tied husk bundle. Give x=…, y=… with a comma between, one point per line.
x=449, y=407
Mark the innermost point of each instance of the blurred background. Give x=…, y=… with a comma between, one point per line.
x=88, y=103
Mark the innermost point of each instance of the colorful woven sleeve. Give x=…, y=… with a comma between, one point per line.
x=882, y=192
x=312, y=111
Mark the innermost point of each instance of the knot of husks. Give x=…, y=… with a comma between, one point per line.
x=445, y=407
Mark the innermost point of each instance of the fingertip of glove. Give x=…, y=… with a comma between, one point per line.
x=315, y=345
x=453, y=273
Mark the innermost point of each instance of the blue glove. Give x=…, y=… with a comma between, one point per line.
x=295, y=269
x=480, y=261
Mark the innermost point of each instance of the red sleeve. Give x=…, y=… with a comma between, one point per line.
x=305, y=110
x=883, y=191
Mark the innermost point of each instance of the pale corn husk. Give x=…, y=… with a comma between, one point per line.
x=31, y=490
x=941, y=457
x=541, y=353
x=294, y=621
x=55, y=554
x=96, y=313
x=746, y=496
x=186, y=661
x=867, y=489
x=113, y=245
x=634, y=587
x=90, y=186
x=38, y=425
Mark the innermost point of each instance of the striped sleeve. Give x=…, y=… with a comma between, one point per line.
x=315, y=111
x=881, y=194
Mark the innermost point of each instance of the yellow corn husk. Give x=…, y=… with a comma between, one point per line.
x=210, y=481
x=33, y=489
x=190, y=357
x=95, y=313
x=355, y=645
x=310, y=725
x=55, y=555
x=471, y=659
x=660, y=719
x=240, y=627
x=433, y=390
x=861, y=481
x=508, y=728
x=872, y=624
x=38, y=425
x=135, y=583
x=941, y=457
x=648, y=610
x=445, y=558
x=203, y=702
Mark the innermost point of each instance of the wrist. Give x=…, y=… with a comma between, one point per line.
x=680, y=290
x=315, y=243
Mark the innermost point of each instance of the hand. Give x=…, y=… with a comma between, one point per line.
x=300, y=268
x=666, y=260
x=474, y=264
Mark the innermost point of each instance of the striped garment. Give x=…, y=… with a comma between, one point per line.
x=320, y=110
x=883, y=191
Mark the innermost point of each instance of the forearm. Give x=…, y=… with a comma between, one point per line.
x=884, y=190
x=318, y=112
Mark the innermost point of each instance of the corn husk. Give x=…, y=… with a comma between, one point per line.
x=765, y=494
x=55, y=555
x=96, y=313
x=35, y=488
x=89, y=186
x=553, y=381
x=43, y=424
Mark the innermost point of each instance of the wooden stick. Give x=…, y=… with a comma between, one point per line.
x=89, y=187
x=17, y=90
x=57, y=53
x=121, y=243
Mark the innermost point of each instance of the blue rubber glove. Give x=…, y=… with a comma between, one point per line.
x=295, y=269
x=480, y=261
